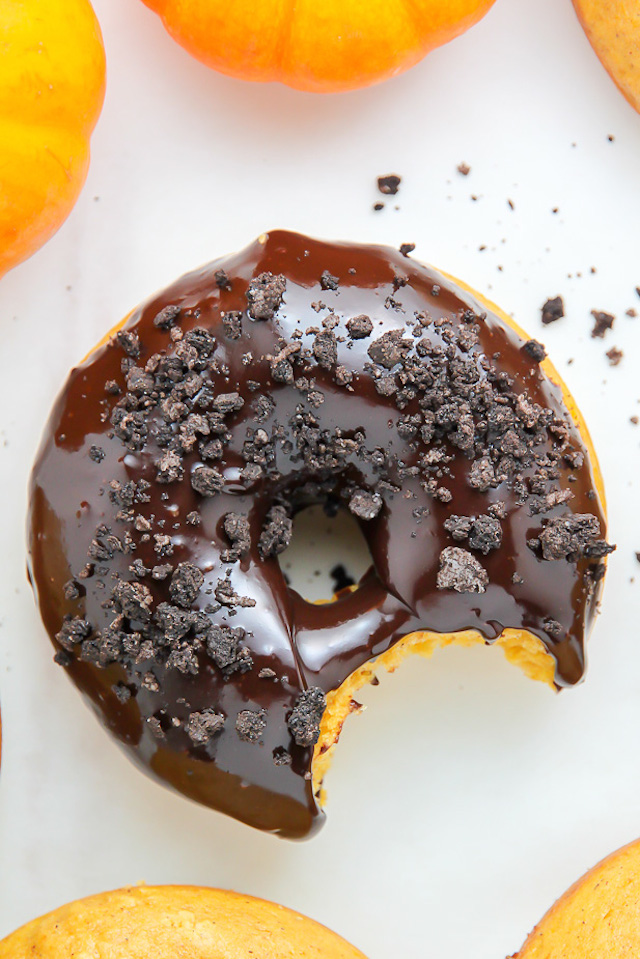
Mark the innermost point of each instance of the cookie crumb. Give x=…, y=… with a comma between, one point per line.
x=389, y=184
x=250, y=724
x=460, y=571
x=552, y=310
x=304, y=721
x=535, y=350
x=603, y=322
x=614, y=355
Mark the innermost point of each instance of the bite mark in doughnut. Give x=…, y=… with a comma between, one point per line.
x=190, y=922
x=293, y=373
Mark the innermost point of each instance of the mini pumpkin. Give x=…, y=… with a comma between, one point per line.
x=317, y=45
x=613, y=29
x=52, y=81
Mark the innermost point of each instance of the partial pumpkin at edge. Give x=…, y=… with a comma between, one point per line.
x=327, y=47
x=613, y=30
x=52, y=86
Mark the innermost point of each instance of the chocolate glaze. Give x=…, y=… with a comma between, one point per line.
x=303, y=644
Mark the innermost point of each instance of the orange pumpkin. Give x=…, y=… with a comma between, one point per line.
x=318, y=45
x=613, y=29
x=52, y=80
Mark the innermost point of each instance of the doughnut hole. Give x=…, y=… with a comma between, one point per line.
x=327, y=553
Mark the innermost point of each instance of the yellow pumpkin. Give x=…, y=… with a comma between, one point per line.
x=52, y=82
x=318, y=45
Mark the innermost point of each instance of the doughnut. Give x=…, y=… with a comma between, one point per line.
x=294, y=373
x=189, y=922
x=597, y=918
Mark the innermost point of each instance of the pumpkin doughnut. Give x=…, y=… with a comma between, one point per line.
x=597, y=918
x=191, y=922
x=294, y=373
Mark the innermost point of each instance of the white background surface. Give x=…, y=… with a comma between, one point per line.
x=467, y=798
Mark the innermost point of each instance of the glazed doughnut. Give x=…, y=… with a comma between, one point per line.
x=597, y=918
x=295, y=373
x=190, y=922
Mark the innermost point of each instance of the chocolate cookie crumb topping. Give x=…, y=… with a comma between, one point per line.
x=222, y=280
x=484, y=533
x=167, y=317
x=224, y=647
x=461, y=571
x=207, y=481
x=265, y=295
x=304, y=721
x=390, y=349
x=129, y=342
x=574, y=537
x=97, y=454
x=202, y=726
x=251, y=724
x=232, y=324
x=281, y=757
x=329, y=282
x=535, y=350
x=238, y=531
x=325, y=349
x=359, y=327
x=365, y=505
x=553, y=628
x=185, y=584
x=277, y=533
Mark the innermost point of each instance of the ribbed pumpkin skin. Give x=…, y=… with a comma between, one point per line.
x=322, y=46
x=52, y=82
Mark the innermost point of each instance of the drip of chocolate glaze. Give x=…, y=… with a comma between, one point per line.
x=172, y=464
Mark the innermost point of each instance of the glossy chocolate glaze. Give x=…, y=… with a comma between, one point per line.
x=303, y=644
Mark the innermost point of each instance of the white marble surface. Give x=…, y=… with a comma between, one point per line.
x=467, y=798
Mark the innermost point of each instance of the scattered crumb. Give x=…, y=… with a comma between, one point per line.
x=511, y=204
x=631, y=313
x=614, y=355
x=464, y=169
x=603, y=322
x=378, y=206
x=552, y=310
x=389, y=184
